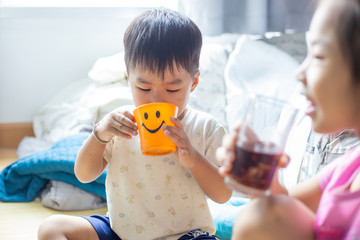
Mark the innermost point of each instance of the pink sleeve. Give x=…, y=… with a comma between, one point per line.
x=326, y=173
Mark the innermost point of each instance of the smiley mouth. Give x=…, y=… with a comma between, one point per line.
x=155, y=130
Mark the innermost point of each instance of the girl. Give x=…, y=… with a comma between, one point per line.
x=328, y=205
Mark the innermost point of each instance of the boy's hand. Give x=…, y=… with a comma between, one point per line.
x=185, y=150
x=120, y=123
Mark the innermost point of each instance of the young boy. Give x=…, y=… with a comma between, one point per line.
x=159, y=197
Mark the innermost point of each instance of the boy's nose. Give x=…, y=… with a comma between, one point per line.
x=157, y=98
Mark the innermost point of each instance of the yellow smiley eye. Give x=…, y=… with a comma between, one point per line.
x=157, y=114
x=146, y=116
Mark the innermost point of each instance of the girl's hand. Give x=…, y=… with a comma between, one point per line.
x=276, y=187
x=226, y=153
x=185, y=150
x=120, y=123
x=226, y=156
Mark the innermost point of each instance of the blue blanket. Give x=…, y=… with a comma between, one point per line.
x=25, y=179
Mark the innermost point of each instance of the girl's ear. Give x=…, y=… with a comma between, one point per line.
x=195, y=81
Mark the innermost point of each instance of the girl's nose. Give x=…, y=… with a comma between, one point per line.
x=300, y=76
x=300, y=73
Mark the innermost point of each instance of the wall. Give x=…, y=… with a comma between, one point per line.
x=44, y=49
x=248, y=16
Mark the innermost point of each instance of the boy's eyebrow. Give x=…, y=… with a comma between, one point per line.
x=175, y=81
x=172, y=82
x=138, y=79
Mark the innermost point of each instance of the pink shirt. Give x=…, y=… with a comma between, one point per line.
x=338, y=215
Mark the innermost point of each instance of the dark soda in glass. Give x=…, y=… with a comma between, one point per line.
x=255, y=164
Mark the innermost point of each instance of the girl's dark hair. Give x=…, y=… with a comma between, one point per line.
x=158, y=38
x=348, y=33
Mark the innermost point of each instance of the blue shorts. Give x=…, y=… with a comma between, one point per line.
x=104, y=231
x=102, y=227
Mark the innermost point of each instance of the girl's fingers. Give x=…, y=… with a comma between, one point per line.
x=283, y=161
x=220, y=155
x=225, y=158
x=229, y=142
x=237, y=127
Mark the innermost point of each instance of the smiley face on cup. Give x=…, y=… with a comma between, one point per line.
x=146, y=117
x=150, y=118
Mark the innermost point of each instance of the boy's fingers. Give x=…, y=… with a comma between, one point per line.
x=129, y=115
x=175, y=131
x=175, y=137
x=123, y=120
x=176, y=122
x=118, y=133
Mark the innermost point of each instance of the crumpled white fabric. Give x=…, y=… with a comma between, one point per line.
x=107, y=70
x=81, y=103
x=66, y=197
x=84, y=101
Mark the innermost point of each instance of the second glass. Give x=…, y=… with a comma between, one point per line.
x=261, y=141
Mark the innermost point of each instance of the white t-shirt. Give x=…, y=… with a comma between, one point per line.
x=155, y=197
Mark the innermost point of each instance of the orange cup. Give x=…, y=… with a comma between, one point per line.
x=150, y=118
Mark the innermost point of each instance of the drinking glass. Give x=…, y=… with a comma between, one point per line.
x=261, y=141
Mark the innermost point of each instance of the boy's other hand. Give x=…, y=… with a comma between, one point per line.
x=120, y=123
x=185, y=150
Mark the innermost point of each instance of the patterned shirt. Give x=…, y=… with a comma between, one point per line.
x=156, y=197
x=321, y=149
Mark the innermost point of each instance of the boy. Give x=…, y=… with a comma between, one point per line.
x=152, y=197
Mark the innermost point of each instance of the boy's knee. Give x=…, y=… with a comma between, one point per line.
x=51, y=228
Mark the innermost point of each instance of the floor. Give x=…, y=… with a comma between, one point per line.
x=20, y=221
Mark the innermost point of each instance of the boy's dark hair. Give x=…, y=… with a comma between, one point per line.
x=158, y=38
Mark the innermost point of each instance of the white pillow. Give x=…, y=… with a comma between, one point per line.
x=258, y=68
x=107, y=70
x=78, y=104
x=210, y=94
